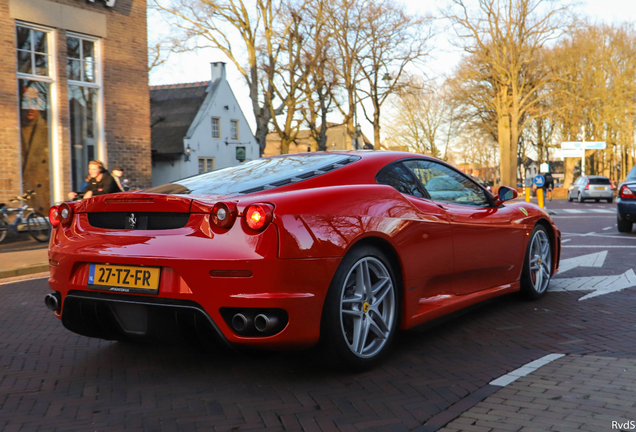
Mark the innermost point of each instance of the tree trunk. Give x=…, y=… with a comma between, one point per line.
x=507, y=158
x=376, y=130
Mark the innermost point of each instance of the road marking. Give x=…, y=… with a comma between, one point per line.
x=607, y=228
x=565, y=241
x=587, y=210
x=598, y=247
x=524, y=370
x=591, y=260
x=599, y=285
x=593, y=234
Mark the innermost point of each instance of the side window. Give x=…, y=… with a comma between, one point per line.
x=398, y=177
x=447, y=185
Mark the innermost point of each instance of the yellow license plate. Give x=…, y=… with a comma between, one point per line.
x=600, y=188
x=119, y=278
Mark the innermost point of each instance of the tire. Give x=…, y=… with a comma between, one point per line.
x=39, y=227
x=610, y=200
x=361, y=311
x=597, y=200
x=579, y=198
x=4, y=227
x=537, y=265
x=624, y=226
x=570, y=199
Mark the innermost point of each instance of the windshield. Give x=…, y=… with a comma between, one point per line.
x=632, y=174
x=256, y=175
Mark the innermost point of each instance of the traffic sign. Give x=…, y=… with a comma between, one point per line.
x=571, y=153
x=588, y=145
x=544, y=168
x=539, y=180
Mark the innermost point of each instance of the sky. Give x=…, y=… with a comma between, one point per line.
x=194, y=67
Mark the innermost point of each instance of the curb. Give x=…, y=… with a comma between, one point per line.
x=22, y=271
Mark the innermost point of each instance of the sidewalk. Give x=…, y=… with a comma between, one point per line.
x=21, y=256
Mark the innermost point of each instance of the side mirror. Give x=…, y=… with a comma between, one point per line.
x=505, y=193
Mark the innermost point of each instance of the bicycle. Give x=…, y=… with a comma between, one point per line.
x=26, y=218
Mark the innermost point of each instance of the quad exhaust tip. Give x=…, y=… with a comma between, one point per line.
x=264, y=323
x=240, y=322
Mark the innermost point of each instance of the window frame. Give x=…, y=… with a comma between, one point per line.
x=422, y=188
x=56, y=176
x=205, y=159
x=218, y=128
x=238, y=135
x=98, y=85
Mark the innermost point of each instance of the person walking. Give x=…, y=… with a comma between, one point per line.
x=548, y=185
x=100, y=182
x=117, y=174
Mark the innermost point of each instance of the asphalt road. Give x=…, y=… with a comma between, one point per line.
x=53, y=380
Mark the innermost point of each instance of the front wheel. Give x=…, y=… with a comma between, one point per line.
x=579, y=198
x=4, y=227
x=361, y=309
x=39, y=227
x=537, y=266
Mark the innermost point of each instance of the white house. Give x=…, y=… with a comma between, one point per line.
x=197, y=127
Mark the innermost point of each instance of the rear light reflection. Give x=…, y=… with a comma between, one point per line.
x=258, y=216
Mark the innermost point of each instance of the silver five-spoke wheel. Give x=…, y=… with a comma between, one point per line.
x=367, y=307
x=538, y=266
x=540, y=261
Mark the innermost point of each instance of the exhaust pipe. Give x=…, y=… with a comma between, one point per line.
x=240, y=322
x=53, y=301
x=265, y=323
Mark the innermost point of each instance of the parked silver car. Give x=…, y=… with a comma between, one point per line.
x=591, y=187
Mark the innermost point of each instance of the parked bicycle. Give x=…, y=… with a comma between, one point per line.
x=25, y=219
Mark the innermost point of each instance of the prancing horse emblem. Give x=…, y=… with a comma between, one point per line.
x=132, y=220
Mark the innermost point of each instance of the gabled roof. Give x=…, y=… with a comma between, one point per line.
x=173, y=107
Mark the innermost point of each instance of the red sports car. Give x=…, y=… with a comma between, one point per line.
x=280, y=252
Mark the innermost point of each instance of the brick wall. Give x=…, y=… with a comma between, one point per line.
x=125, y=91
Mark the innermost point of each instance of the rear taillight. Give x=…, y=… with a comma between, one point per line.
x=66, y=214
x=587, y=185
x=258, y=216
x=224, y=214
x=54, y=216
x=627, y=193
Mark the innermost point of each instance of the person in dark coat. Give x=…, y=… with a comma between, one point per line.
x=100, y=182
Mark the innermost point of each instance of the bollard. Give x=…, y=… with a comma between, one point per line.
x=540, y=196
x=528, y=194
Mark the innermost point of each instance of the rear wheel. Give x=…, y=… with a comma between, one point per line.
x=597, y=200
x=361, y=309
x=624, y=226
x=4, y=227
x=39, y=227
x=610, y=200
x=537, y=266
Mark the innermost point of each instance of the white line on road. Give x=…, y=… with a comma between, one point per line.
x=591, y=260
x=565, y=241
x=524, y=370
x=598, y=247
x=607, y=228
x=599, y=285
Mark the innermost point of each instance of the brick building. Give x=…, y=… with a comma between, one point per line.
x=73, y=87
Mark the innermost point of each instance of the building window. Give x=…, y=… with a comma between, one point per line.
x=216, y=128
x=206, y=165
x=84, y=97
x=234, y=134
x=35, y=80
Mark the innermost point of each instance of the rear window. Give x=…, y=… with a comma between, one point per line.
x=257, y=175
x=632, y=174
x=600, y=181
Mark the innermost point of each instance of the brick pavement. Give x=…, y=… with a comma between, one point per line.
x=54, y=380
x=582, y=393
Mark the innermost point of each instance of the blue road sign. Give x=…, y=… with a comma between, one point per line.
x=539, y=181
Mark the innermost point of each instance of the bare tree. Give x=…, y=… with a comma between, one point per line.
x=504, y=39
x=246, y=34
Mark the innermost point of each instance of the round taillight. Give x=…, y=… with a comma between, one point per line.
x=54, y=216
x=224, y=214
x=66, y=214
x=627, y=193
x=258, y=216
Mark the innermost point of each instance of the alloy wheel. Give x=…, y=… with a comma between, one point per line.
x=540, y=261
x=367, y=307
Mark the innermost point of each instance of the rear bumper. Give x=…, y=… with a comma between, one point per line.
x=597, y=194
x=626, y=210
x=198, y=285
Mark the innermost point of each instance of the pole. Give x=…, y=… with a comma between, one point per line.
x=540, y=196
x=582, y=157
x=528, y=194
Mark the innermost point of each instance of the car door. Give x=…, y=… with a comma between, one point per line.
x=487, y=241
x=425, y=247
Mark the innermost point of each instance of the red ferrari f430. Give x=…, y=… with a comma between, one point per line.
x=281, y=252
